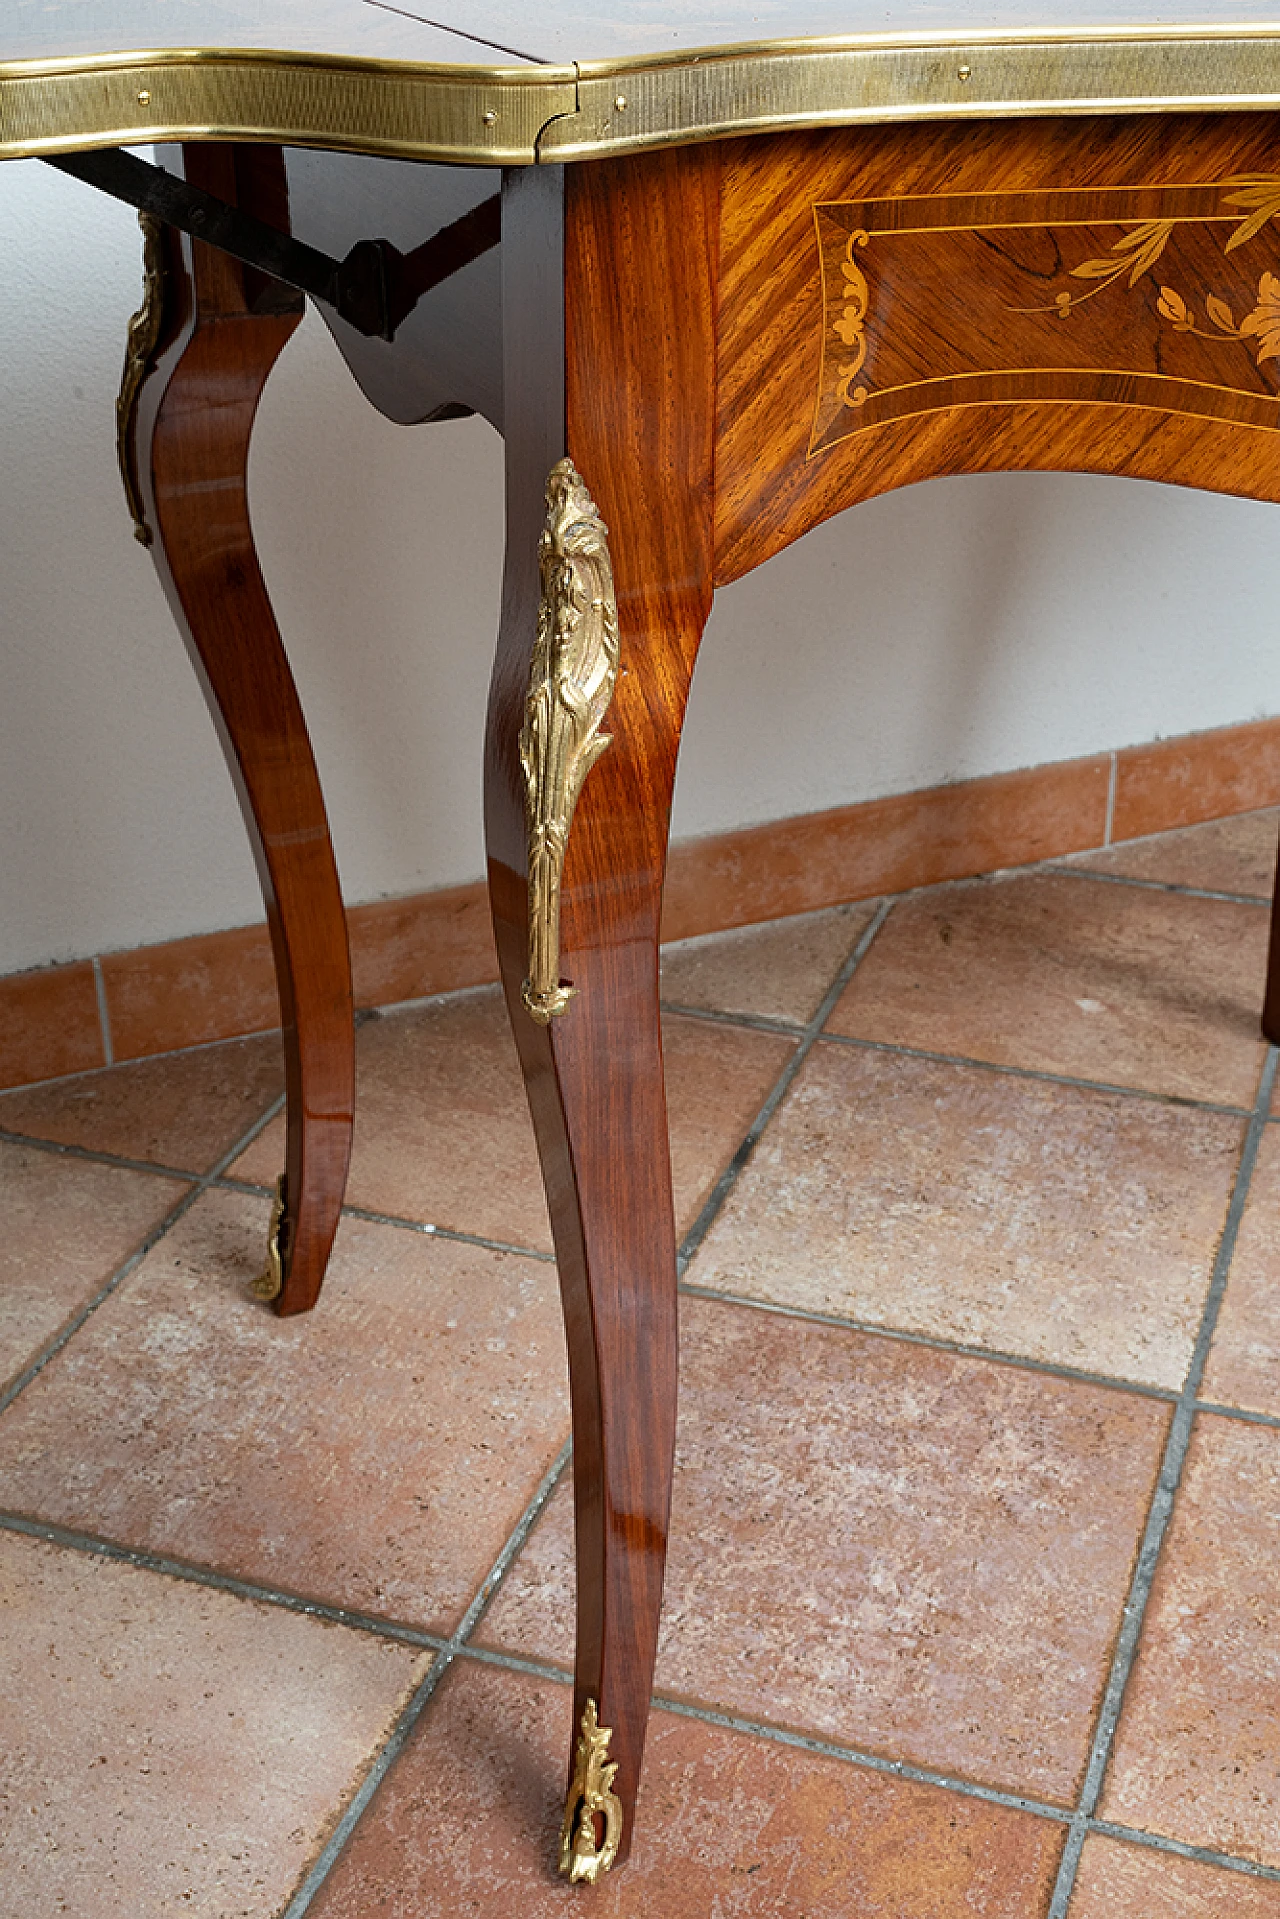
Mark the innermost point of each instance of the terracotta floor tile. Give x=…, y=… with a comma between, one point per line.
x=780, y=970
x=1197, y=1754
x=716, y=1085
x=728, y=1827
x=1244, y=1361
x=375, y=1453
x=1236, y=855
x=183, y=1109
x=443, y=1131
x=917, y=1553
x=1113, y=983
x=68, y=1224
x=1072, y=1226
x=1119, y=1881
x=165, y=1748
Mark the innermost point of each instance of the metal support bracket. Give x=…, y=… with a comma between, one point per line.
x=374, y=288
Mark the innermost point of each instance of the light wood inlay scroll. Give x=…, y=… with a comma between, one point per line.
x=1122, y=295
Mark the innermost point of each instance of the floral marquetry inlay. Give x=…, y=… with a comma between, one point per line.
x=1158, y=297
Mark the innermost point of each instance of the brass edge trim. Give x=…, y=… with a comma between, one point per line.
x=571, y=680
x=474, y=115
x=883, y=81
x=513, y=116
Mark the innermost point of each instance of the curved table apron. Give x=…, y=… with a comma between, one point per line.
x=775, y=281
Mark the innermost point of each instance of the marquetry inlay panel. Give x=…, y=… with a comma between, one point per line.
x=1160, y=297
x=1098, y=295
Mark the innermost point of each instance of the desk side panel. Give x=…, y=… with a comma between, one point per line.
x=1072, y=295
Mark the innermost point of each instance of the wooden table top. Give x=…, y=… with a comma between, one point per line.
x=511, y=82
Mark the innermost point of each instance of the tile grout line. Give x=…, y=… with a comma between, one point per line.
x=104, y=1015
x=756, y=1023
x=1205, y=1855
x=1161, y=1509
x=191, y=1573
x=423, y=1693
x=1143, y=885
x=865, y=1761
x=426, y=1227
x=70, y=1327
x=453, y=1233
x=1113, y=773
x=937, y=1342
x=947, y=1782
x=1243, y=1413
x=808, y=1038
x=777, y=1735
x=94, y=1157
x=1180, y=1100
x=751, y=1022
x=484, y=1597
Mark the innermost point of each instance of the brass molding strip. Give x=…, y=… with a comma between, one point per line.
x=877, y=81
x=514, y=116
x=477, y=115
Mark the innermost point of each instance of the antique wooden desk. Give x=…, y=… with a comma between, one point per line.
x=710, y=293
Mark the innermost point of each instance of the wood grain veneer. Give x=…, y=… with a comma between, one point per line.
x=944, y=301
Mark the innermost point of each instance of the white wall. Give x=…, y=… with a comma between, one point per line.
x=956, y=629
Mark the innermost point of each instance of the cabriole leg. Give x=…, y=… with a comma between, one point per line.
x=609, y=504
x=199, y=356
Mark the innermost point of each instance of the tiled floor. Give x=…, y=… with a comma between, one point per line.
x=973, y=1602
